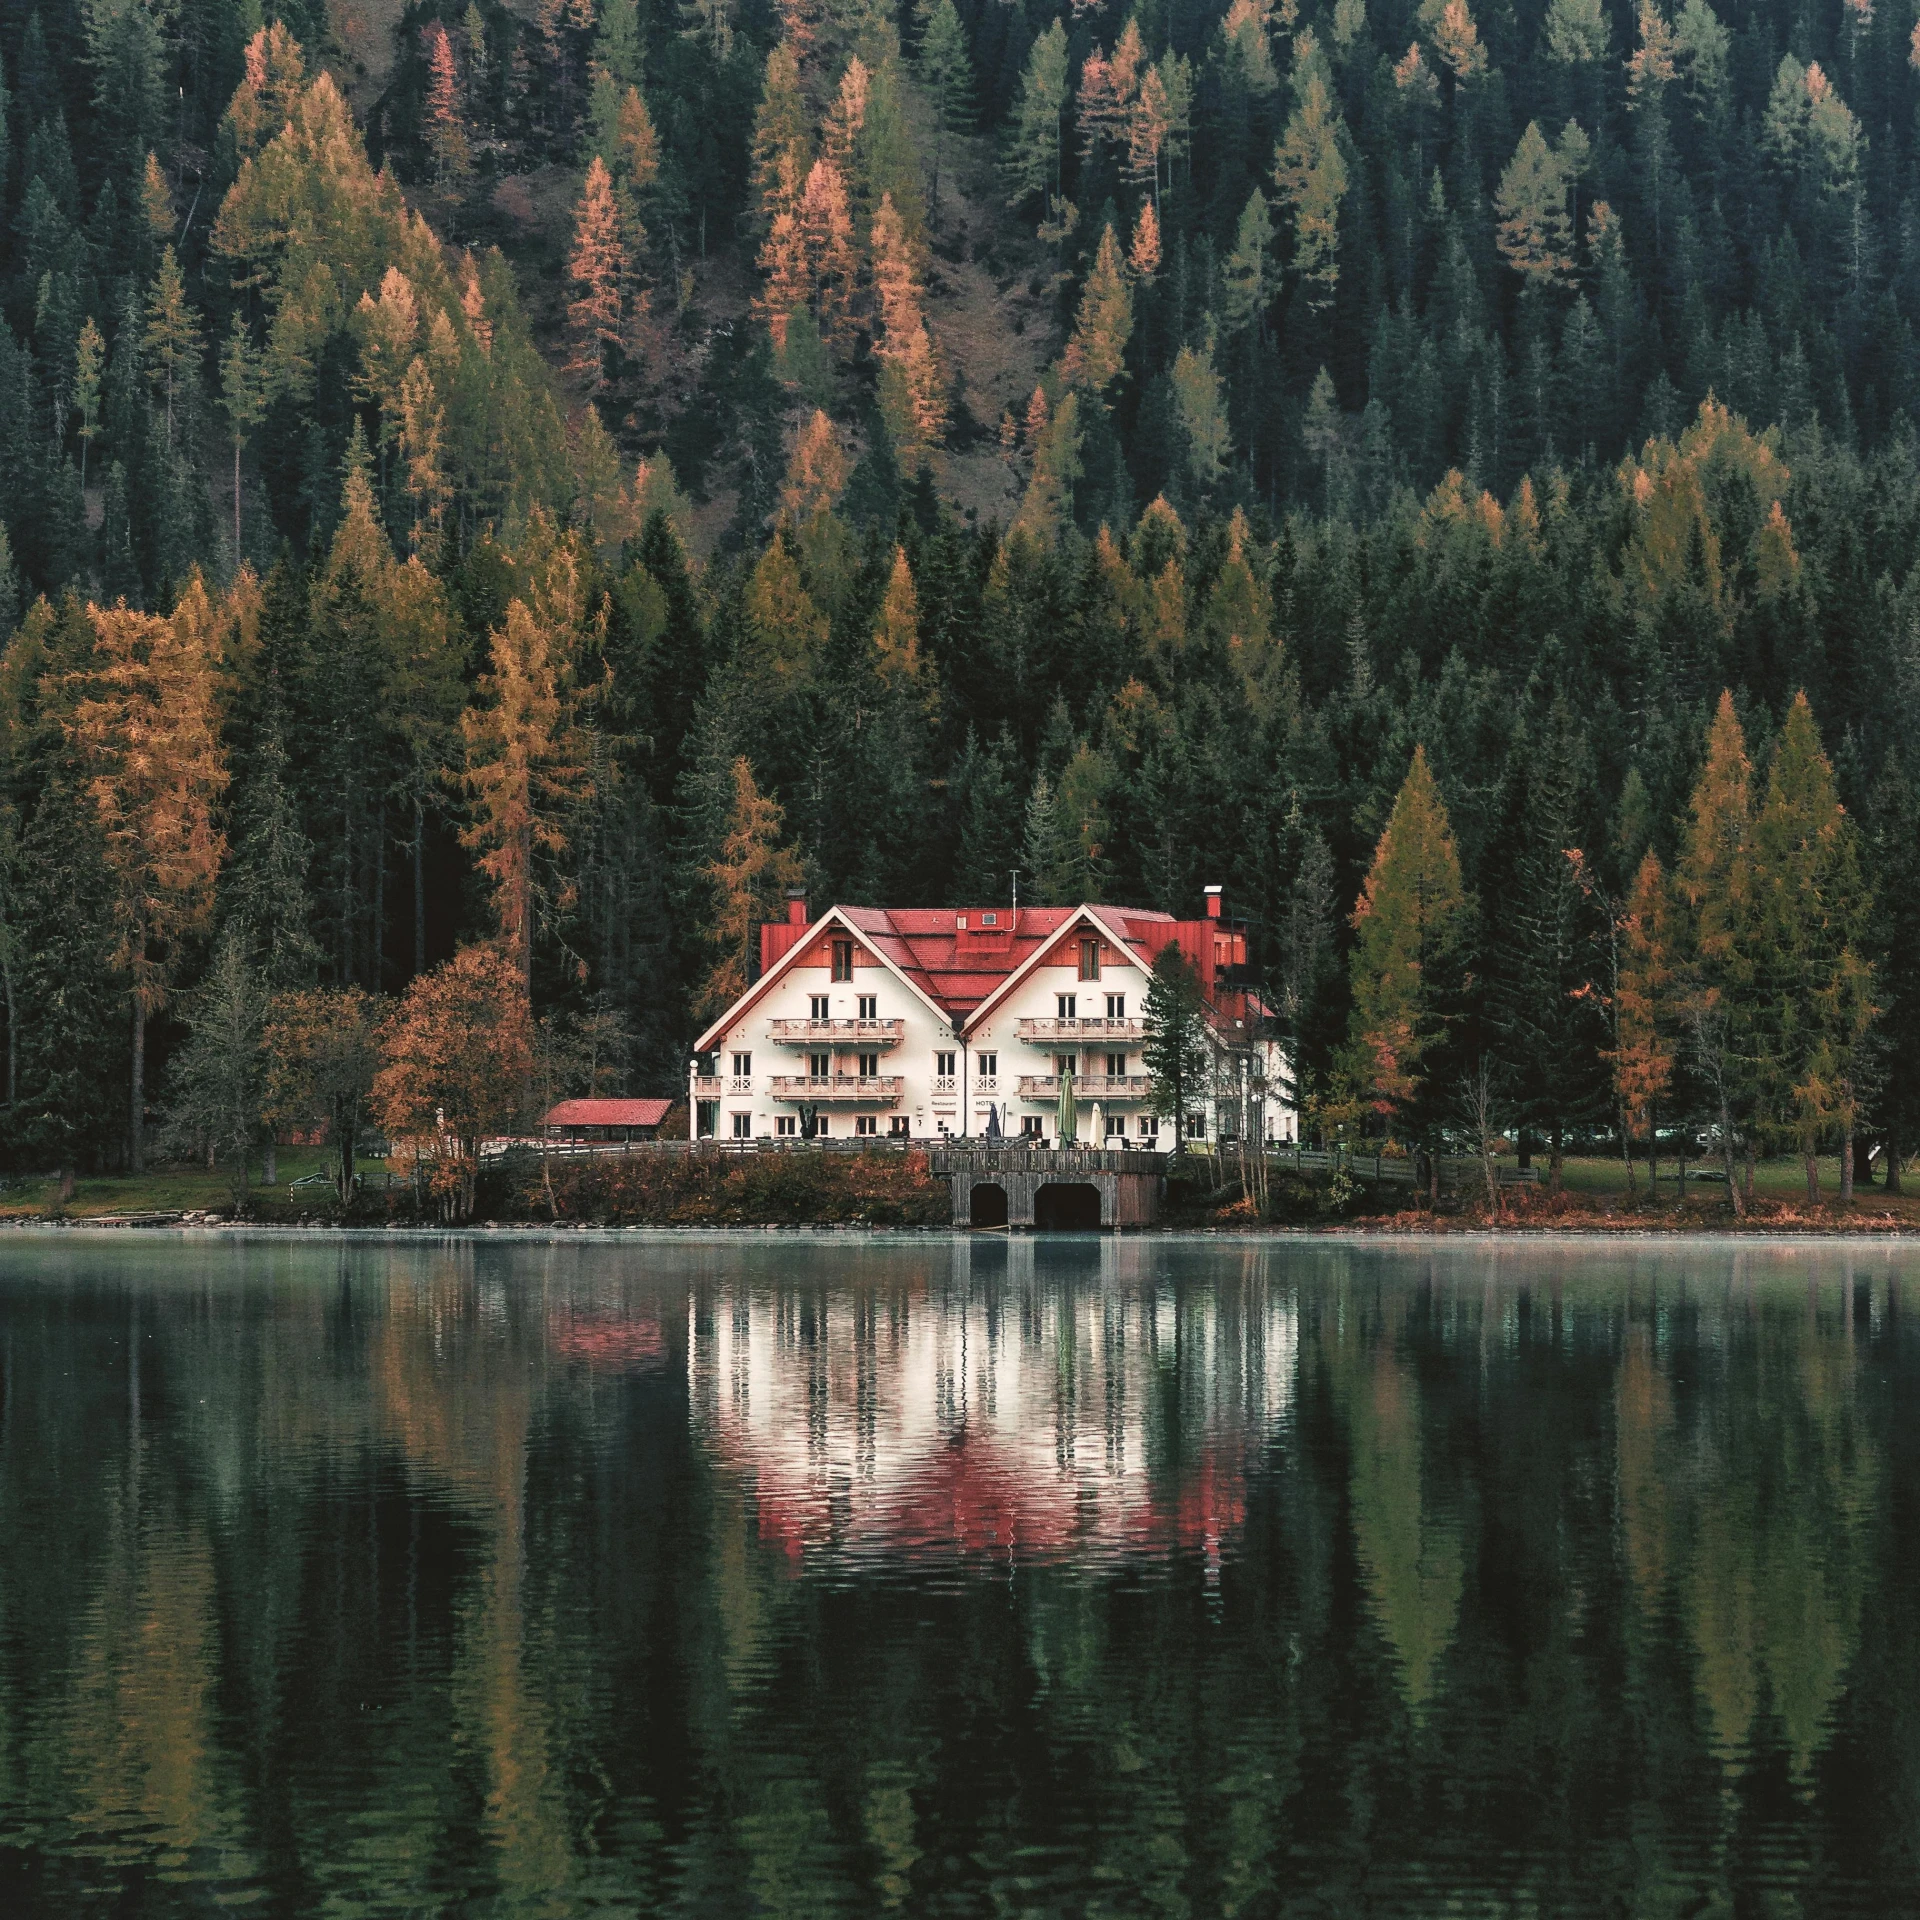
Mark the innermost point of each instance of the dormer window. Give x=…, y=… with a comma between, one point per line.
x=989, y=919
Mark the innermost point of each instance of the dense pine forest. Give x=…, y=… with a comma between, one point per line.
x=531, y=483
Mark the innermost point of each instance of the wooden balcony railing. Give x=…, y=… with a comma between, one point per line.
x=1086, y=1086
x=1044, y=1032
x=837, y=1033
x=837, y=1086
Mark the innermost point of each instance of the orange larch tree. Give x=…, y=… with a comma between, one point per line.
x=826, y=229
x=913, y=398
x=442, y=124
x=1410, y=920
x=1096, y=352
x=749, y=877
x=149, y=730
x=529, y=769
x=599, y=269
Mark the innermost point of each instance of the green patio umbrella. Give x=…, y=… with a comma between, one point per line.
x=1065, y=1127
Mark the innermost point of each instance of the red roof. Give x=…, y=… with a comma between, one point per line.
x=609, y=1113
x=959, y=964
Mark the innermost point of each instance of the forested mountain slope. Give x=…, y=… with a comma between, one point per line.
x=562, y=471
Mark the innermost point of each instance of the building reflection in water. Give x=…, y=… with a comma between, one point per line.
x=1010, y=1398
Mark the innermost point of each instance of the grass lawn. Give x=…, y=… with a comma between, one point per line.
x=1603, y=1180
x=1606, y=1174
x=176, y=1188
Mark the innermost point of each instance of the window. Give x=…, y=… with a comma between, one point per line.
x=898, y=1125
x=866, y=1123
x=1089, y=959
x=869, y=1065
x=707, y=1120
x=1149, y=1127
x=988, y=1065
x=820, y=1127
x=785, y=1125
x=869, y=1006
x=943, y=1066
x=1116, y=1126
x=1196, y=1126
x=843, y=959
x=989, y=919
x=1063, y=1006
x=1117, y=1066
x=1030, y=1125
x=820, y=1066
x=817, y=1006
x=743, y=1126
x=743, y=1066
x=1065, y=1063
x=1116, y=1006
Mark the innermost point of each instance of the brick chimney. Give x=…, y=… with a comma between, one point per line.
x=1213, y=903
x=796, y=906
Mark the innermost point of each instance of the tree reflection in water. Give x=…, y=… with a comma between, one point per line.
x=782, y=1575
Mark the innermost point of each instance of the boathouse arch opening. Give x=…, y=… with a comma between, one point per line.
x=987, y=1205
x=1067, y=1206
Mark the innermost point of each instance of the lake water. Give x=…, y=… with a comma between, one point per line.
x=792, y=1576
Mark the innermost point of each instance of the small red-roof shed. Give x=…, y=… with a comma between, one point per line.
x=607, y=1119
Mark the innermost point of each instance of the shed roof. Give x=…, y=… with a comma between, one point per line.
x=609, y=1113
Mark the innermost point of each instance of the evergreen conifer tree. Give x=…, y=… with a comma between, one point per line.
x=219, y=1081
x=1813, y=982
x=947, y=75
x=1177, y=1054
x=172, y=337
x=1036, y=131
x=1646, y=1011
x=1549, y=993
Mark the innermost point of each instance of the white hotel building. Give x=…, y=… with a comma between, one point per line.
x=928, y=1022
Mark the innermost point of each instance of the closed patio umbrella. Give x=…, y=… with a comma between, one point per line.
x=1065, y=1128
x=993, y=1121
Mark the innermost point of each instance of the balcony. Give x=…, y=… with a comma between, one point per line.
x=1086, y=1086
x=837, y=1033
x=710, y=1086
x=1048, y=1032
x=837, y=1086
x=706, y=1086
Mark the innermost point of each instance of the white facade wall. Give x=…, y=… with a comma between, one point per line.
x=1089, y=1033
x=927, y=1101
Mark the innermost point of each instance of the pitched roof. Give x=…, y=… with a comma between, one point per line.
x=608, y=1113
x=957, y=964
